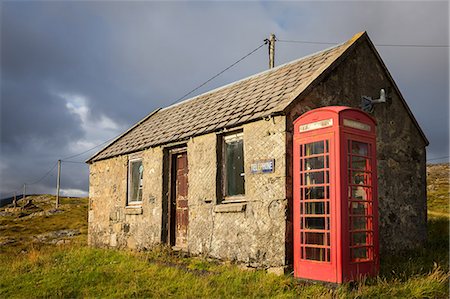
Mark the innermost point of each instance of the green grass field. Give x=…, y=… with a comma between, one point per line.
x=33, y=268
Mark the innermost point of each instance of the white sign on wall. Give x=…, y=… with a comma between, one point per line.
x=263, y=166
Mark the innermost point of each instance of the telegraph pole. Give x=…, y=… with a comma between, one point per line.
x=58, y=181
x=272, y=40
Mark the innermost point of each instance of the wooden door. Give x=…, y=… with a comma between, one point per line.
x=180, y=200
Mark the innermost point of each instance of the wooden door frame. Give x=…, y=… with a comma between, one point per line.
x=168, y=214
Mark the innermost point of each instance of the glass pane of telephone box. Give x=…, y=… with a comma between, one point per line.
x=358, y=208
x=315, y=208
x=358, y=223
x=359, y=178
x=315, y=193
x=358, y=163
x=359, y=238
x=315, y=238
x=360, y=148
x=314, y=148
x=317, y=254
x=359, y=253
x=358, y=193
x=314, y=178
x=314, y=163
x=314, y=223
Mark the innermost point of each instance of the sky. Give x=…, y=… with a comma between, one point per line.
x=75, y=74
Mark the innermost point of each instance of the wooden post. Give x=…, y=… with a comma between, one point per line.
x=58, y=181
x=24, y=193
x=15, y=200
x=272, y=51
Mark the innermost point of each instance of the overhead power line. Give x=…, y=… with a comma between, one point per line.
x=378, y=45
x=220, y=73
x=88, y=150
x=305, y=42
x=44, y=176
x=74, y=162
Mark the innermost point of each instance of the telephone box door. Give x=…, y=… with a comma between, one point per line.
x=314, y=210
x=361, y=258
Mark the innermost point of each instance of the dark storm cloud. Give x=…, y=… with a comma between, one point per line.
x=75, y=74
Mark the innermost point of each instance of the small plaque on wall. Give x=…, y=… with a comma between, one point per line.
x=263, y=166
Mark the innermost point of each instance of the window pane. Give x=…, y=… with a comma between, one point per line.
x=314, y=178
x=315, y=193
x=358, y=208
x=234, y=155
x=359, y=253
x=359, y=238
x=315, y=208
x=314, y=148
x=315, y=238
x=314, y=163
x=359, y=163
x=136, y=176
x=317, y=254
x=359, y=223
x=359, y=178
x=314, y=223
x=358, y=193
x=360, y=148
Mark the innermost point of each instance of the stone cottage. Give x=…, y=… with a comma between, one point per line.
x=213, y=174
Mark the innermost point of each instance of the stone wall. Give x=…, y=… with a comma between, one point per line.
x=251, y=231
x=401, y=153
x=111, y=222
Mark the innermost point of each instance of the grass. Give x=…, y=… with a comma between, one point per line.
x=31, y=269
x=438, y=189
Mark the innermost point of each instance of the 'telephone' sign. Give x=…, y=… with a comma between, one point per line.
x=316, y=125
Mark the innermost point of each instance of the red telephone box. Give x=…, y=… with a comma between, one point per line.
x=335, y=195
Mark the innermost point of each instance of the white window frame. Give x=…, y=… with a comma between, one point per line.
x=129, y=182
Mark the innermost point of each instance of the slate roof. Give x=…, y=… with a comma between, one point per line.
x=240, y=102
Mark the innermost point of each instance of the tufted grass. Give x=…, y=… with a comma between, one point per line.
x=29, y=269
x=78, y=271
